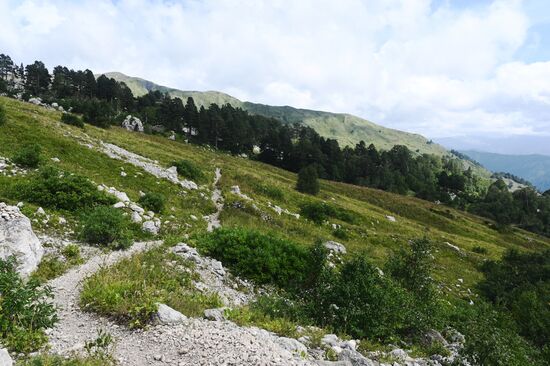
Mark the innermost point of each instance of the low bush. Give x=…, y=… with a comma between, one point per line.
x=26, y=310
x=319, y=212
x=259, y=257
x=189, y=170
x=480, y=250
x=152, y=201
x=28, y=156
x=268, y=190
x=340, y=233
x=106, y=226
x=60, y=190
x=130, y=290
x=71, y=119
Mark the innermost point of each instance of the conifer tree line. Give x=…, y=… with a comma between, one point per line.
x=103, y=102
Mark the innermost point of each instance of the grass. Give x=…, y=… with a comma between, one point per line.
x=53, y=266
x=129, y=291
x=53, y=360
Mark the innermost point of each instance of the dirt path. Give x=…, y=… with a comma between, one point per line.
x=214, y=219
x=194, y=342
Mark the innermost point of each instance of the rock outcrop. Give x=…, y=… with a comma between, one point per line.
x=132, y=123
x=17, y=239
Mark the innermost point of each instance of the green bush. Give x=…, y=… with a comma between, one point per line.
x=189, y=170
x=491, y=338
x=2, y=115
x=340, y=234
x=60, y=190
x=319, y=212
x=130, y=290
x=259, y=257
x=71, y=119
x=358, y=301
x=26, y=310
x=480, y=250
x=268, y=190
x=308, y=181
x=106, y=226
x=520, y=282
x=28, y=156
x=153, y=201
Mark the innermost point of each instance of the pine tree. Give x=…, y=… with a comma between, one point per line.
x=308, y=180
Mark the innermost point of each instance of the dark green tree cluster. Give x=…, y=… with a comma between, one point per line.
x=524, y=207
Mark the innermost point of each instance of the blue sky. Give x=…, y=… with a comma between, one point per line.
x=440, y=68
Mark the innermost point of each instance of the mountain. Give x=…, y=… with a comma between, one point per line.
x=534, y=168
x=346, y=128
x=511, y=145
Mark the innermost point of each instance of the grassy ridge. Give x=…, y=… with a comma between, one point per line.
x=372, y=233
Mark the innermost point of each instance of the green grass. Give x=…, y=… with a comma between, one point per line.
x=129, y=290
x=53, y=266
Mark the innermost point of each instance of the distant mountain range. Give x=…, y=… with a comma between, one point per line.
x=346, y=128
x=534, y=168
x=511, y=145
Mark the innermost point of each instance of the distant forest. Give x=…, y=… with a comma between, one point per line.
x=105, y=102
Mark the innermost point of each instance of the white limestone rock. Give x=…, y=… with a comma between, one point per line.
x=132, y=123
x=167, y=316
x=18, y=239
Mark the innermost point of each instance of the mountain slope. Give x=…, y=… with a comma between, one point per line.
x=346, y=128
x=534, y=168
x=268, y=187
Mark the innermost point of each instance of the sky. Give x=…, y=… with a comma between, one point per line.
x=442, y=68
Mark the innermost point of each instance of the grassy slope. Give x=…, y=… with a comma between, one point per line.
x=347, y=129
x=373, y=234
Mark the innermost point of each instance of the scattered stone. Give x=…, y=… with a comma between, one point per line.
x=292, y=345
x=40, y=211
x=55, y=160
x=17, y=238
x=217, y=315
x=391, y=218
x=165, y=315
x=123, y=173
x=136, y=217
x=151, y=226
x=119, y=205
x=335, y=247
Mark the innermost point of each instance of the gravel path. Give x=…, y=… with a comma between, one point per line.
x=214, y=219
x=194, y=342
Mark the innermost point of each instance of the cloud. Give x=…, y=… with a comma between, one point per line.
x=417, y=65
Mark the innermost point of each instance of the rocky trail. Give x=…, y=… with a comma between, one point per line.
x=213, y=220
x=191, y=342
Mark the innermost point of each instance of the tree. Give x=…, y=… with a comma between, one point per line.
x=37, y=78
x=6, y=67
x=308, y=180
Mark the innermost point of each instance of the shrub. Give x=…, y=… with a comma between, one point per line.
x=71, y=119
x=153, y=201
x=106, y=226
x=259, y=257
x=26, y=310
x=270, y=191
x=28, y=156
x=358, y=301
x=130, y=290
x=308, y=180
x=480, y=250
x=59, y=190
x=319, y=212
x=189, y=170
x=520, y=282
x=340, y=233
x=2, y=115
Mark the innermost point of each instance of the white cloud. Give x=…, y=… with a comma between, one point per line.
x=408, y=64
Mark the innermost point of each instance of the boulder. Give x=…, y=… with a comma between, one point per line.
x=132, y=123
x=151, y=226
x=166, y=315
x=17, y=239
x=292, y=345
x=355, y=358
x=215, y=314
x=335, y=247
x=330, y=340
x=5, y=358
x=136, y=217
